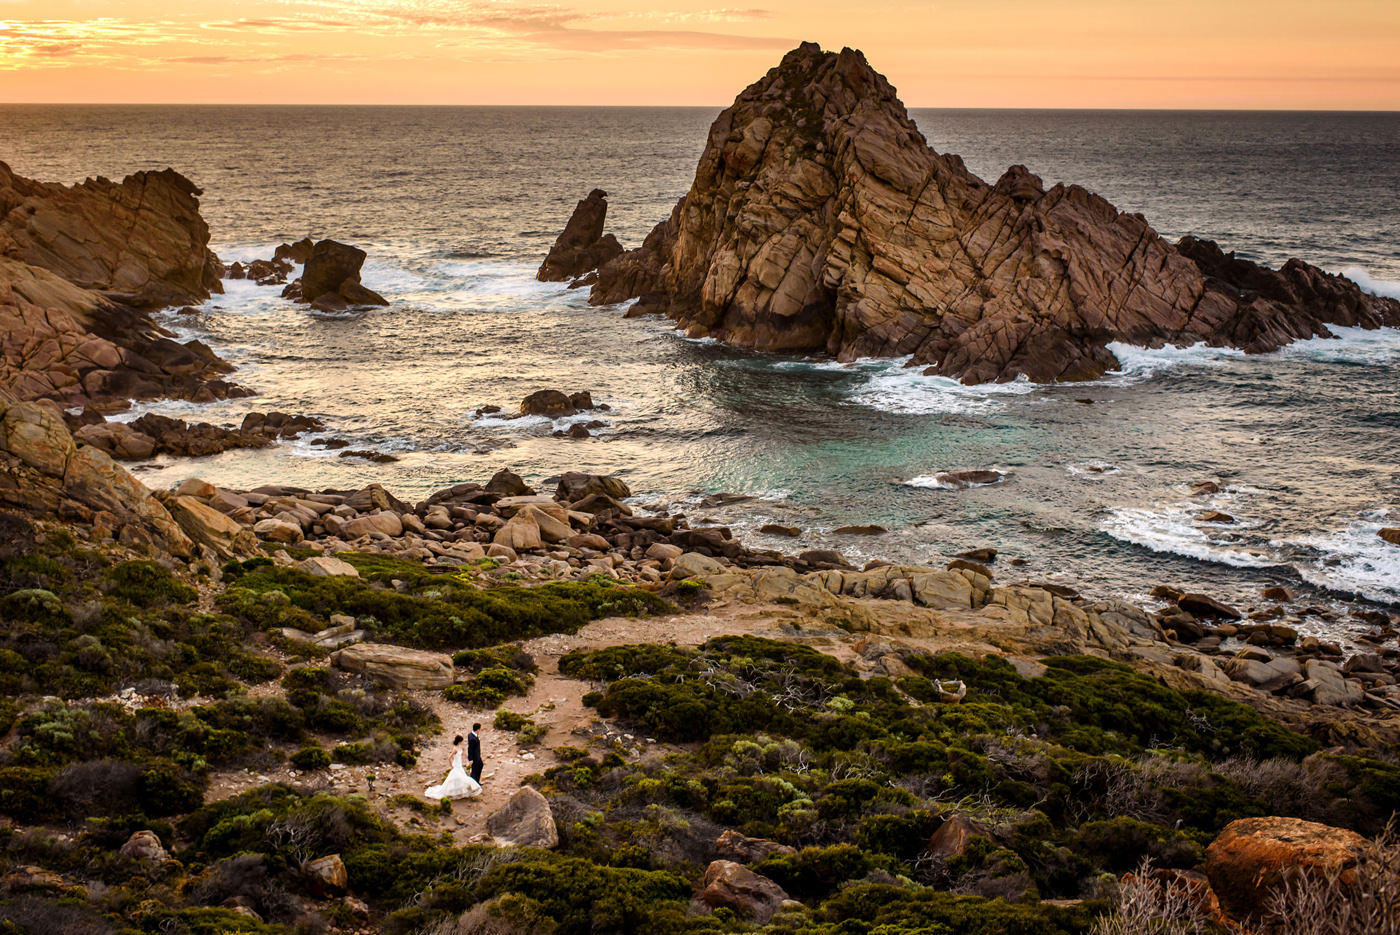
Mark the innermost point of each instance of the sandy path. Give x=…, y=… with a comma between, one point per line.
x=554, y=701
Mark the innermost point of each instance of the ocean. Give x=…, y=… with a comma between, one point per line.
x=457, y=207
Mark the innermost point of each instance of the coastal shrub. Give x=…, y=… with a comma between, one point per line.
x=435, y=612
x=583, y=897
x=308, y=759
x=489, y=687
x=146, y=584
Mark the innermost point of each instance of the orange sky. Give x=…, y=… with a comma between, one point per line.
x=1292, y=54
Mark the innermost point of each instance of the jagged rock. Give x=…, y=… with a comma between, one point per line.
x=79, y=266
x=820, y=220
x=298, y=252
x=1201, y=605
x=777, y=529
x=952, y=837
x=1253, y=857
x=524, y=821
x=386, y=523
x=520, y=534
x=733, y=886
x=332, y=277
x=582, y=246
x=1391, y=535
x=554, y=403
x=396, y=666
x=507, y=483
x=208, y=527
x=42, y=470
x=141, y=241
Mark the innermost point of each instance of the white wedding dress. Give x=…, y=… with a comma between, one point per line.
x=457, y=785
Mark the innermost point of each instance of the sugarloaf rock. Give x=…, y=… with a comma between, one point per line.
x=820, y=220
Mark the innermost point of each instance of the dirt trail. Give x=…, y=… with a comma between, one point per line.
x=554, y=701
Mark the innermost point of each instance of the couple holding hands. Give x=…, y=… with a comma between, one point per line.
x=458, y=785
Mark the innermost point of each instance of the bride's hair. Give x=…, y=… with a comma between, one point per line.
x=456, y=740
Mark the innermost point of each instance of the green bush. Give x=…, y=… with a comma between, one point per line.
x=308, y=759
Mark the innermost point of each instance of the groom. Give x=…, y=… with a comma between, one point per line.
x=474, y=752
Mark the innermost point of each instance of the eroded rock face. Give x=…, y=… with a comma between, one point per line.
x=79, y=267
x=582, y=246
x=524, y=821
x=821, y=221
x=396, y=666
x=331, y=278
x=44, y=472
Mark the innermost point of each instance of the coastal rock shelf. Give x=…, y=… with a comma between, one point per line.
x=821, y=221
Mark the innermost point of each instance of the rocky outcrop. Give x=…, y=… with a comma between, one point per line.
x=140, y=241
x=80, y=266
x=153, y=434
x=582, y=246
x=396, y=666
x=524, y=821
x=44, y=472
x=820, y=220
x=330, y=281
x=1253, y=857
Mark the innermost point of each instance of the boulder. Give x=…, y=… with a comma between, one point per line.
x=207, y=526
x=582, y=246
x=555, y=404
x=1271, y=676
x=118, y=439
x=962, y=480
x=520, y=534
x=326, y=876
x=524, y=821
x=328, y=566
x=777, y=529
x=1253, y=857
x=820, y=220
x=386, y=523
x=396, y=666
x=278, y=530
x=575, y=486
x=952, y=837
x=333, y=270
x=144, y=846
x=507, y=483
x=733, y=886
x=1390, y=534
x=1325, y=684
x=868, y=530
x=1201, y=605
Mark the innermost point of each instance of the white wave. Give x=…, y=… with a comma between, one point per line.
x=1141, y=363
x=936, y=482
x=1173, y=529
x=1092, y=469
x=1350, y=346
x=1389, y=288
x=893, y=387
x=1355, y=560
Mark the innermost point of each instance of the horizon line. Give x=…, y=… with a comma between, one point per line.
x=284, y=105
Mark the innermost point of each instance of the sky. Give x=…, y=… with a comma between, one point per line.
x=1226, y=54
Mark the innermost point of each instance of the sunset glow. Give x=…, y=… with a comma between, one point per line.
x=1285, y=54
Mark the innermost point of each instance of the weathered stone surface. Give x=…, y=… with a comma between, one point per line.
x=144, y=846
x=328, y=566
x=952, y=837
x=79, y=266
x=42, y=468
x=386, y=523
x=582, y=246
x=1390, y=534
x=1202, y=605
x=575, y=486
x=733, y=886
x=820, y=220
x=396, y=666
x=326, y=876
x=208, y=527
x=278, y=530
x=1253, y=857
x=525, y=820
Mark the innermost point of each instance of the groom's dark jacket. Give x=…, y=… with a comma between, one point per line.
x=473, y=748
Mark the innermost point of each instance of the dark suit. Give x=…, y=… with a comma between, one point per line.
x=474, y=755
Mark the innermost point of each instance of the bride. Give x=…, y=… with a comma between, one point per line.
x=457, y=785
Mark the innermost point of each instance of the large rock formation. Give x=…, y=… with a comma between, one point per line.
x=79, y=267
x=582, y=246
x=821, y=221
x=330, y=281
